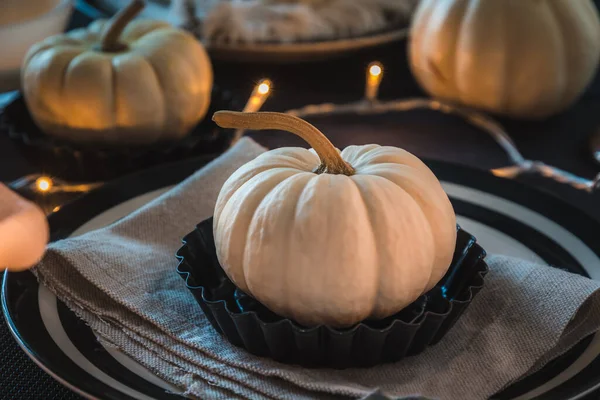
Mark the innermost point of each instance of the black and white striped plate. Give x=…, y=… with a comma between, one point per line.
x=505, y=216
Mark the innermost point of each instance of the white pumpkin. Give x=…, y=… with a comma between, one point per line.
x=331, y=238
x=118, y=82
x=524, y=59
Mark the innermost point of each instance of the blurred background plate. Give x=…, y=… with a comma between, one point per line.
x=279, y=53
x=305, y=51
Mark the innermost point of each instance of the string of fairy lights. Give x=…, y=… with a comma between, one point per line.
x=369, y=104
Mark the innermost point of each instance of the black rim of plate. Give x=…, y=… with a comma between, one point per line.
x=20, y=289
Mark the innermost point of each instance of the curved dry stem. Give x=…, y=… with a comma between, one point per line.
x=110, y=37
x=331, y=160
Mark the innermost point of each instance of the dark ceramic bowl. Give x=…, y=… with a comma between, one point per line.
x=247, y=323
x=81, y=162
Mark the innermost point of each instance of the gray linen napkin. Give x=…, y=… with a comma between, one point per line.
x=121, y=280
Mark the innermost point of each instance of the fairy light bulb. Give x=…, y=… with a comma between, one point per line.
x=375, y=70
x=264, y=88
x=43, y=184
x=259, y=95
x=374, y=77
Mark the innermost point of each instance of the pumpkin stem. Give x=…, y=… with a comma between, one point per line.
x=331, y=160
x=110, y=37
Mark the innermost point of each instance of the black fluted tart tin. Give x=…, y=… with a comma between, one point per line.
x=85, y=162
x=248, y=324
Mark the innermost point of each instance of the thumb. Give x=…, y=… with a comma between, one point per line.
x=24, y=231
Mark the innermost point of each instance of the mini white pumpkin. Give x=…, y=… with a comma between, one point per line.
x=331, y=238
x=118, y=81
x=524, y=59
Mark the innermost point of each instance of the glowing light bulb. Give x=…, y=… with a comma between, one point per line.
x=259, y=95
x=43, y=184
x=375, y=70
x=264, y=88
x=374, y=77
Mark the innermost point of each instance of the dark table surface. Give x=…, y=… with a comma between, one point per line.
x=561, y=141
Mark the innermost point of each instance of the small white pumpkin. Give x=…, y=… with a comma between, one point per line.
x=525, y=59
x=331, y=238
x=118, y=82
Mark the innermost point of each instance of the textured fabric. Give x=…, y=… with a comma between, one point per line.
x=121, y=280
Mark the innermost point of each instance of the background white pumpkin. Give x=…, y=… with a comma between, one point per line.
x=362, y=237
x=147, y=82
x=521, y=58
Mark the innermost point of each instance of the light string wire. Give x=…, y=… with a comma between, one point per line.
x=371, y=105
x=46, y=185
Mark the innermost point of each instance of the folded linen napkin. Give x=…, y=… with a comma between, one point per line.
x=122, y=281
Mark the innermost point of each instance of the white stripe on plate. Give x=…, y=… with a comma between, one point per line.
x=49, y=313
